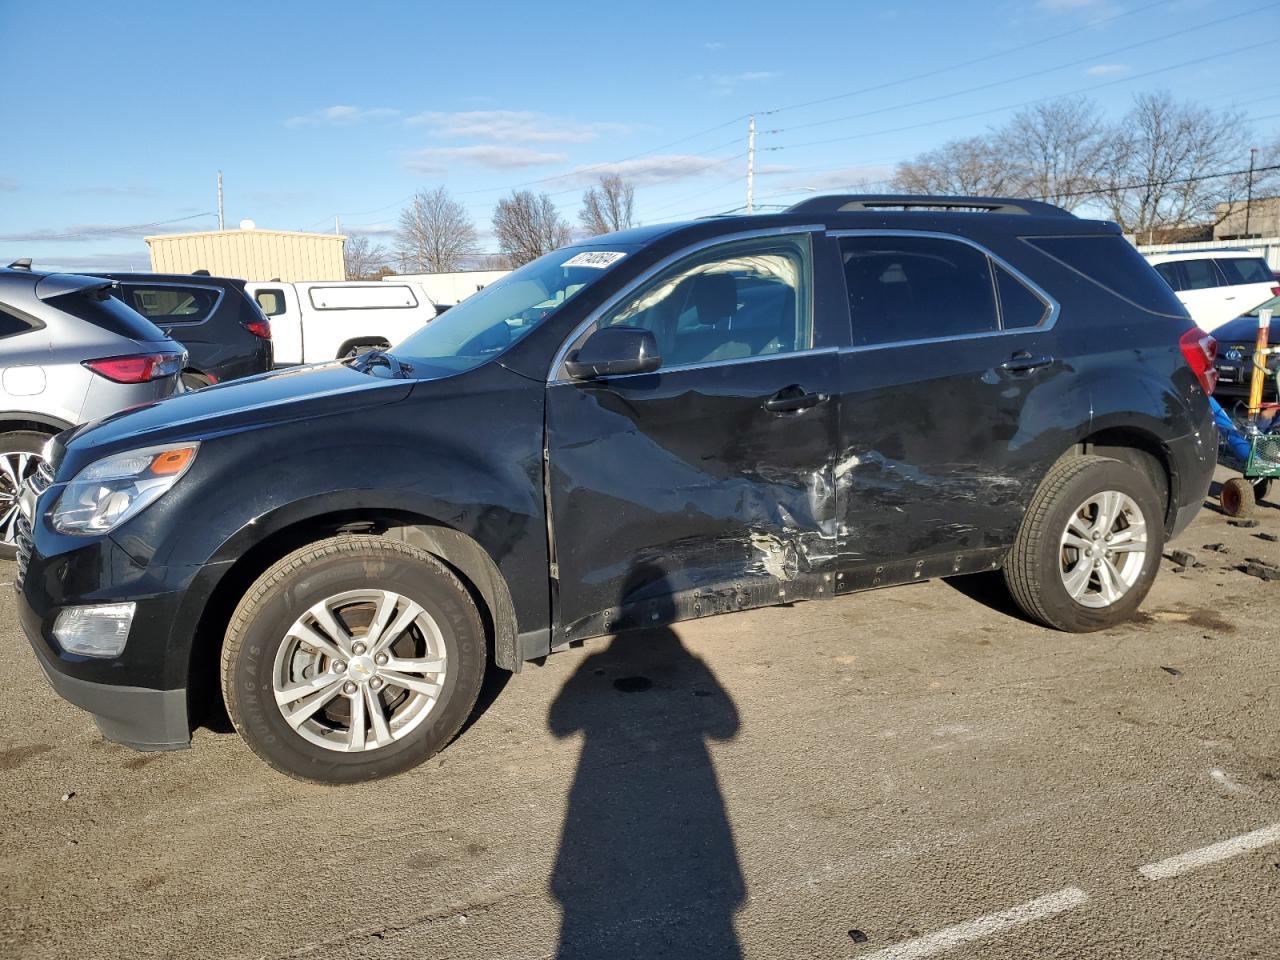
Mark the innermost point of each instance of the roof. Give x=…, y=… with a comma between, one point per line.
x=210, y=234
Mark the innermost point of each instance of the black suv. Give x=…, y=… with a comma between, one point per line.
x=222, y=328
x=646, y=427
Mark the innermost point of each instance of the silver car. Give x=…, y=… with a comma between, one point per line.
x=69, y=353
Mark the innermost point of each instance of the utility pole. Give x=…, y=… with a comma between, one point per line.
x=1248, y=203
x=220, y=221
x=751, y=162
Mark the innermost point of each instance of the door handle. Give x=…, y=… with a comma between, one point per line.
x=794, y=399
x=1023, y=362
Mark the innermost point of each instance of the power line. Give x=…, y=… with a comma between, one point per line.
x=108, y=229
x=1025, y=76
x=1027, y=103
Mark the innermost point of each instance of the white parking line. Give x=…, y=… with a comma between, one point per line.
x=1049, y=905
x=1172, y=866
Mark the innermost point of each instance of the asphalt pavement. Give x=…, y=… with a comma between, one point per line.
x=911, y=772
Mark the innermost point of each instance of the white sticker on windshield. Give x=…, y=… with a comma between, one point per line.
x=595, y=258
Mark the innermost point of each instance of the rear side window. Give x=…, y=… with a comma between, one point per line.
x=382, y=296
x=170, y=304
x=1245, y=270
x=1114, y=264
x=271, y=302
x=916, y=288
x=105, y=311
x=11, y=325
x=1169, y=271
x=1199, y=275
x=1019, y=306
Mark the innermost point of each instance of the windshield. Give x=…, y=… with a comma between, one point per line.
x=1273, y=305
x=487, y=322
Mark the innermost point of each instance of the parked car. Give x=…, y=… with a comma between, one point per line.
x=68, y=353
x=1217, y=285
x=718, y=415
x=312, y=322
x=214, y=318
x=1236, y=342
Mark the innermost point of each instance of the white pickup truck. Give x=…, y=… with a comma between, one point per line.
x=320, y=320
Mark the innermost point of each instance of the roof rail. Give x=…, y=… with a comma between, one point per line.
x=872, y=202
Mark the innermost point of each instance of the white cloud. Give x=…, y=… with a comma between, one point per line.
x=1107, y=69
x=79, y=233
x=436, y=160
x=111, y=190
x=372, y=230
x=846, y=178
x=342, y=115
x=645, y=171
x=512, y=126
x=96, y=262
x=7, y=185
x=1069, y=6
x=728, y=82
x=714, y=45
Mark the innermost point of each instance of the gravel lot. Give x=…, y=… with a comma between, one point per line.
x=889, y=774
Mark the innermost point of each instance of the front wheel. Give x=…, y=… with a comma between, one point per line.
x=351, y=659
x=1089, y=546
x=19, y=459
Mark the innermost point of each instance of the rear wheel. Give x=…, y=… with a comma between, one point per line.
x=1237, y=497
x=351, y=659
x=194, y=380
x=19, y=458
x=1089, y=546
x=1261, y=487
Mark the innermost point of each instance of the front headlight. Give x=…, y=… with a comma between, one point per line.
x=110, y=491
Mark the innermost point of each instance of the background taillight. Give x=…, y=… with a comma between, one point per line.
x=137, y=368
x=259, y=328
x=1201, y=350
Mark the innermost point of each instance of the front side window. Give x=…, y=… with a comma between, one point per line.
x=742, y=299
x=270, y=302
x=917, y=288
x=168, y=304
x=1245, y=270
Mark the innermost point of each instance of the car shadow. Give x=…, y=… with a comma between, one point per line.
x=988, y=588
x=647, y=865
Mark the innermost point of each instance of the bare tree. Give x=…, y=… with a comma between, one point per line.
x=1163, y=157
x=1055, y=151
x=435, y=235
x=969, y=167
x=527, y=226
x=608, y=206
x=362, y=258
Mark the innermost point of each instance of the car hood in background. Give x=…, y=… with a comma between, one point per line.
x=269, y=398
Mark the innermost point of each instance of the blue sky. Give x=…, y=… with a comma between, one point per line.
x=117, y=116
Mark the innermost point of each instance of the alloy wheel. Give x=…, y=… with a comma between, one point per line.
x=1103, y=549
x=15, y=467
x=360, y=670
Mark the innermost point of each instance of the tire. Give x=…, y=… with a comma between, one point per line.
x=266, y=655
x=1261, y=487
x=19, y=457
x=192, y=380
x=1236, y=497
x=1044, y=568
x=359, y=349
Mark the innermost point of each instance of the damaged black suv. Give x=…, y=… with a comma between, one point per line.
x=645, y=427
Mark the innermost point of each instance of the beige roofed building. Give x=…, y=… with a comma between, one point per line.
x=251, y=254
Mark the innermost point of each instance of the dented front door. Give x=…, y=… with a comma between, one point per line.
x=692, y=491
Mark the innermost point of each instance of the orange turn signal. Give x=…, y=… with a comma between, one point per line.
x=172, y=461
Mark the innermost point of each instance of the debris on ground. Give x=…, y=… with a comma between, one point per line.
x=1179, y=569
x=1263, y=571
x=1172, y=671
x=68, y=795
x=1183, y=558
x=1269, y=537
x=857, y=936
x=1244, y=523
x=1217, y=547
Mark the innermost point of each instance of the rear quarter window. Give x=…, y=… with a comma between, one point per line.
x=11, y=324
x=171, y=304
x=105, y=311
x=382, y=296
x=1245, y=270
x=1114, y=264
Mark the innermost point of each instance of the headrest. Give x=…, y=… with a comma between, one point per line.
x=715, y=296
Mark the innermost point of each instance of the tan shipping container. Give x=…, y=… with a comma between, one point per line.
x=251, y=254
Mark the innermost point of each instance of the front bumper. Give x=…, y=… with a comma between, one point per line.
x=137, y=717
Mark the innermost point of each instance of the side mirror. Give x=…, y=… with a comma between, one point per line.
x=614, y=351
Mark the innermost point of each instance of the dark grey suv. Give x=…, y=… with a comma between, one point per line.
x=69, y=353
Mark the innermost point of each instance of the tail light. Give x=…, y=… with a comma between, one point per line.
x=259, y=328
x=137, y=368
x=1201, y=350
x=1275, y=291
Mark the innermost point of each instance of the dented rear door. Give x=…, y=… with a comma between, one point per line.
x=692, y=490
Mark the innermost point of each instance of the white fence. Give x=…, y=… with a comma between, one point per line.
x=1268, y=247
